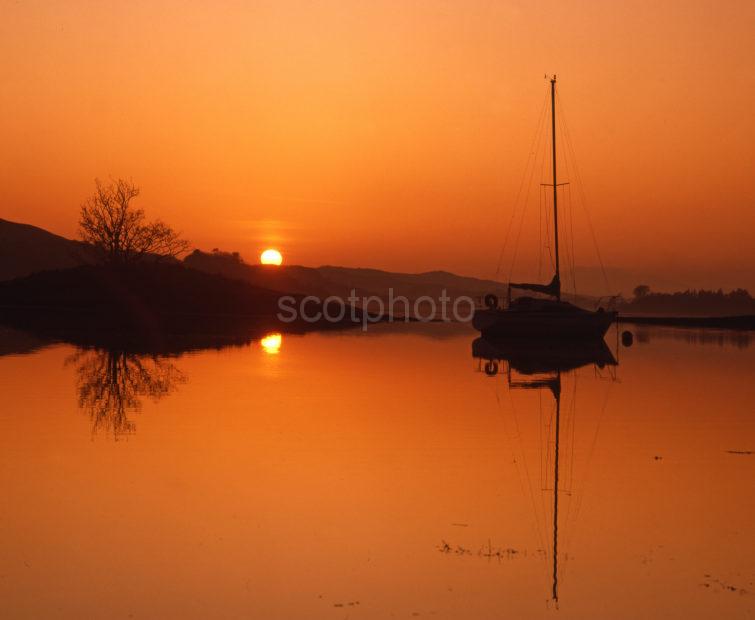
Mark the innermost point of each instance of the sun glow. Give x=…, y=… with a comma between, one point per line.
x=271, y=343
x=271, y=257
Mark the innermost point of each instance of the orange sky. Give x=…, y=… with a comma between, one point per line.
x=389, y=134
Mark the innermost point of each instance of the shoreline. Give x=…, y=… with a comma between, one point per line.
x=742, y=322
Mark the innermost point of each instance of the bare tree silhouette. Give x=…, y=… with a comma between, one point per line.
x=110, y=385
x=119, y=232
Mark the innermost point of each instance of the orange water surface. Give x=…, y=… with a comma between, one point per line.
x=377, y=475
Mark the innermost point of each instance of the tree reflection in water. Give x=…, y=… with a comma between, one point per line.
x=110, y=385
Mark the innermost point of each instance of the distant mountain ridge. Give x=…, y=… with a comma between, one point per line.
x=27, y=249
x=342, y=281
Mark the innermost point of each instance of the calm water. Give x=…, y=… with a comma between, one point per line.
x=377, y=476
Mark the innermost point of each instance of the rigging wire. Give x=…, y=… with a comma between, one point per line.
x=540, y=430
x=540, y=235
x=544, y=439
x=527, y=194
x=580, y=495
x=571, y=234
x=518, y=212
x=566, y=201
x=539, y=529
x=571, y=257
x=531, y=153
x=548, y=210
x=578, y=178
x=547, y=201
x=570, y=414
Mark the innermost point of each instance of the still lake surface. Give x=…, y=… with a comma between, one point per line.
x=378, y=475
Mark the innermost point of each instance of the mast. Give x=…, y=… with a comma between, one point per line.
x=553, y=288
x=555, y=186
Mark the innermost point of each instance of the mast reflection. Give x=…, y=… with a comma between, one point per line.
x=542, y=364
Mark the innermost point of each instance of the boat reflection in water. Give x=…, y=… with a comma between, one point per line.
x=541, y=356
x=540, y=365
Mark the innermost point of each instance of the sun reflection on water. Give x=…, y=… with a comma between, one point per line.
x=271, y=343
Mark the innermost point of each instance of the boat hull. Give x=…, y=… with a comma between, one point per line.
x=496, y=323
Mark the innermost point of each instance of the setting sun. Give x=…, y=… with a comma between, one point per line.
x=271, y=257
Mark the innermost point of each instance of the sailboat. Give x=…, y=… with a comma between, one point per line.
x=542, y=365
x=542, y=318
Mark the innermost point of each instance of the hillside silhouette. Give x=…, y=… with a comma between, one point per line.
x=26, y=249
x=62, y=277
x=150, y=299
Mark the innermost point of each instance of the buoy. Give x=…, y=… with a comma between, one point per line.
x=627, y=338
